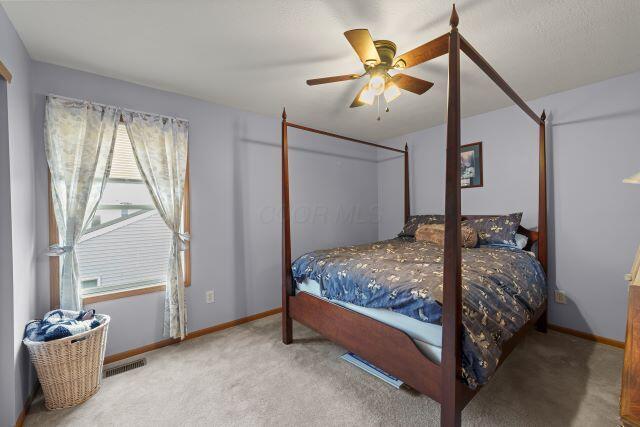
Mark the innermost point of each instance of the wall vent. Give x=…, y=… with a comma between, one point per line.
x=124, y=367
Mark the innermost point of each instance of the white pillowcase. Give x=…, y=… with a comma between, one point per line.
x=521, y=241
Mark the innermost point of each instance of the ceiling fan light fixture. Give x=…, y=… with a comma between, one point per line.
x=382, y=68
x=391, y=92
x=400, y=64
x=367, y=96
x=377, y=83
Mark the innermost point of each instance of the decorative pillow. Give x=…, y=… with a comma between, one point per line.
x=434, y=233
x=416, y=221
x=500, y=230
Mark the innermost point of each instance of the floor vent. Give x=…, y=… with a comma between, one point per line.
x=124, y=367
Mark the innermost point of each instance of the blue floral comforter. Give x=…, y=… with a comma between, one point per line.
x=502, y=287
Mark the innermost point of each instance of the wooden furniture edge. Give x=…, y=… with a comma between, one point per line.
x=335, y=135
x=366, y=342
x=634, y=275
x=386, y=347
x=484, y=65
x=630, y=383
x=452, y=403
x=542, y=193
x=5, y=73
x=586, y=336
x=629, y=421
x=407, y=199
x=191, y=335
x=287, y=280
x=27, y=406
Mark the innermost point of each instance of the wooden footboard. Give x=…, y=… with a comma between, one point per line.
x=384, y=346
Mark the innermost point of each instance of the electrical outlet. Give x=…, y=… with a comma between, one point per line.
x=210, y=297
x=560, y=297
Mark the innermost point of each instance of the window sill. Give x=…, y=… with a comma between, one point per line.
x=108, y=296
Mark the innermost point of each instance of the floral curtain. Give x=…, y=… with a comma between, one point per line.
x=79, y=138
x=160, y=148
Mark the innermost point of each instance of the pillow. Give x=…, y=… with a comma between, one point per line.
x=521, y=241
x=496, y=230
x=416, y=221
x=434, y=233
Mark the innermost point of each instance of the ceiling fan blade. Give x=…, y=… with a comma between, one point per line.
x=430, y=50
x=362, y=43
x=333, y=79
x=412, y=84
x=356, y=101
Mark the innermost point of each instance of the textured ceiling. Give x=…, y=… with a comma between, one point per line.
x=257, y=54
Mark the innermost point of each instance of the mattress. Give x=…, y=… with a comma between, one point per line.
x=426, y=336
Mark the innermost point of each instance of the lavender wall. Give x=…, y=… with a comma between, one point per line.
x=593, y=143
x=7, y=374
x=235, y=210
x=18, y=156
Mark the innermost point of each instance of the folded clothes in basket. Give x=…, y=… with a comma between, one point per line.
x=58, y=324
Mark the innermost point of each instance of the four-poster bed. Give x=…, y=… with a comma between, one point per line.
x=386, y=346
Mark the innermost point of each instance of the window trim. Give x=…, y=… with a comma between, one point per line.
x=108, y=296
x=5, y=73
x=54, y=262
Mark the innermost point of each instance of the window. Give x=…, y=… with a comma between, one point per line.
x=126, y=248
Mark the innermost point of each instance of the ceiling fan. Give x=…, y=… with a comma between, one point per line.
x=378, y=58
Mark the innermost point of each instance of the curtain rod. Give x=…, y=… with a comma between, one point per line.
x=119, y=108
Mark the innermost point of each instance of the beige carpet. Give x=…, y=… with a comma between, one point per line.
x=246, y=376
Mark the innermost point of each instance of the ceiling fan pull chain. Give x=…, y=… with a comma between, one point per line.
x=378, y=108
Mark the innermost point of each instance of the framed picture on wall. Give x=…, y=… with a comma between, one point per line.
x=471, y=165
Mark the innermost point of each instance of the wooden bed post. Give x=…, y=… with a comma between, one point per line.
x=542, y=195
x=287, y=282
x=407, y=203
x=541, y=324
x=451, y=403
x=384, y=345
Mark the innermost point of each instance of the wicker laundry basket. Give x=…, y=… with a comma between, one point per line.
x=70, y=369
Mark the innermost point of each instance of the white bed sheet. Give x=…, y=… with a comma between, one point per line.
x=427, y=336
